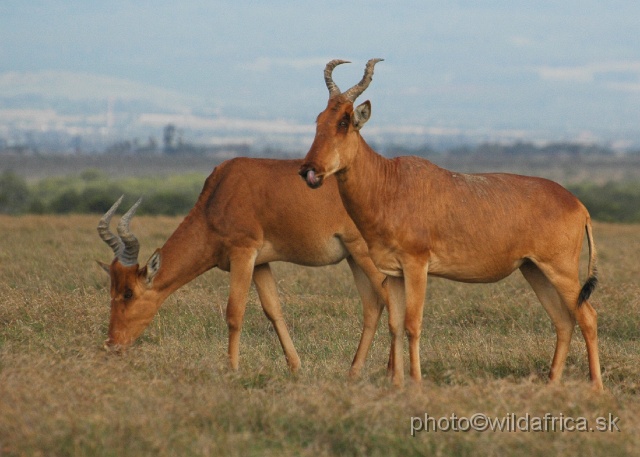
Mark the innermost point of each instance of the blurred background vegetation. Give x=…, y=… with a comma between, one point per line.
x=92, y=191
x=607, y=183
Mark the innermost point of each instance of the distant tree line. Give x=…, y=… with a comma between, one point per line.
x=173, y=142
x=561, y=149
x=93, y=192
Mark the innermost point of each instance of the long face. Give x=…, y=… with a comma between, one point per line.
x=335, y=143
x=133, y=305
x=134, y=302
x=337, y=128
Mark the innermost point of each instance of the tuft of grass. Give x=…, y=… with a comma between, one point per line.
x=485, y=349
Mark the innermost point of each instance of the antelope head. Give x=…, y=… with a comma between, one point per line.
x=337, y=128
x=134, y=302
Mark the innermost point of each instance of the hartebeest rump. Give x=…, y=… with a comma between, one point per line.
x=419, y=219
x=249, y=213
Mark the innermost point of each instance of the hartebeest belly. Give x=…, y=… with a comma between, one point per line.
x=473, y=228
x=324, y=252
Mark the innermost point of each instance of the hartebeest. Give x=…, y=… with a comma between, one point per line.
x=250, y=212
x=420, y=219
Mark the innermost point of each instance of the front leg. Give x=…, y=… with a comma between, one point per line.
x=415, y=282
x=242, y=264
x=396, y=293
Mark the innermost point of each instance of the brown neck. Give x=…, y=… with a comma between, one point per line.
x=187, y=253
x=363, y=182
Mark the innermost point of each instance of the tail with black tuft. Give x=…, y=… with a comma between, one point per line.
x=592, y=280
x=588, y=289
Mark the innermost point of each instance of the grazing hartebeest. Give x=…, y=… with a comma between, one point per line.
x=249, y=213
x=420, y=219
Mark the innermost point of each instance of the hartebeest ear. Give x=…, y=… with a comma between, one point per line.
x=152, y=267
x=361, y=115
x=104, y=266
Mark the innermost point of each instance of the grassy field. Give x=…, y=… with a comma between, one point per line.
x=485, y=349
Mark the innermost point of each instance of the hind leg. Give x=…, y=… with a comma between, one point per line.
x=372, y=306
x=373, y=295
x=567, y=287
x=588, y=322
x=268, y=293
x=557, y=311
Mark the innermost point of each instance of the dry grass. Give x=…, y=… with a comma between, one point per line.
x=485, y=349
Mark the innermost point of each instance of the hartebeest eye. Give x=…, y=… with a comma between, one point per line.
x=343, y=124
x=128, y=294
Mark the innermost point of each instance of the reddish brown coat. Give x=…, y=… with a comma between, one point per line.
x=250, y=212
x=419, y=219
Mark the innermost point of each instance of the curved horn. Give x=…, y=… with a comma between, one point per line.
x=129, y=254
x=359, y=88
x=333, y=88
x=107, y=236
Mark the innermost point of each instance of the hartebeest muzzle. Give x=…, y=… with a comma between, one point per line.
x=309, y=175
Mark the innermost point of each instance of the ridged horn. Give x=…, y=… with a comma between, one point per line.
x=129, y=255
x=359, y=88
x=328, y=79
x=107, y=236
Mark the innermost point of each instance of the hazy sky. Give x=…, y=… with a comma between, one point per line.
x=563, y=68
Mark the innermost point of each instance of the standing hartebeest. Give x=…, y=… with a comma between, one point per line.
x=420, y=219
x=250, y=212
